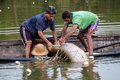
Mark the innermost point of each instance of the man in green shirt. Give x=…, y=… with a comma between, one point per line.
x=86, y=22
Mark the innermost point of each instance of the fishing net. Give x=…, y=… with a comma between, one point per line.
x=69, y=52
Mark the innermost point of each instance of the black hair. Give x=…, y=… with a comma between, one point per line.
x=51, y=10
x=66, y=14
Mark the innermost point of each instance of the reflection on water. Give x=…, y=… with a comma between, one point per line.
x=12, y=13
x=9, y=71
x=46, y=70
x=108, y=68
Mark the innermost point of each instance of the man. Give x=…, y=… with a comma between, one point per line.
x=86, y=22
x=33, y=28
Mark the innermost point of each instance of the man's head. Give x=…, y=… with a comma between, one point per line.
x=67, y=16
x=50, y=11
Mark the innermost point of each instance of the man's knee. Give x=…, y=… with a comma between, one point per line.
x=28, y=43
x=88, y=35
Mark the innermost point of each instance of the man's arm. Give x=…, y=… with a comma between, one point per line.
x=49, y=44
x=55, y=36
x=63, y=32
x=63, y=39
x=71, y=31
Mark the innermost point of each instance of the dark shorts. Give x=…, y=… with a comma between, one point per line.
x=92, y=27
x=26, y=35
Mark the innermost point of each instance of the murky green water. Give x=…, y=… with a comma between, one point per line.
x=13, y=12
x=105, y=68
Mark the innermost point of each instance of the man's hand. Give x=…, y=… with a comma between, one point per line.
x=49, y=44
x=62, y=40
x=56, y=43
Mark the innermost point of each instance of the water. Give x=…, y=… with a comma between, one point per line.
x=13, y=12
x=103, y=69
x=107, y=68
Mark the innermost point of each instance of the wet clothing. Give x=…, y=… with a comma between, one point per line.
x=84, y=19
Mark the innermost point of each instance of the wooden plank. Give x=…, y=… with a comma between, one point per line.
x=33, y=59
x=106, y=45
x=17, y=59
x=106, y=54
x=72, y=39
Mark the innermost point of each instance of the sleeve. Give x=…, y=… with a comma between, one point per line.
x=77, y=20
x=52, y=25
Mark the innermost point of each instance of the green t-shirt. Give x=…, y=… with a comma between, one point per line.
x=83, y=19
